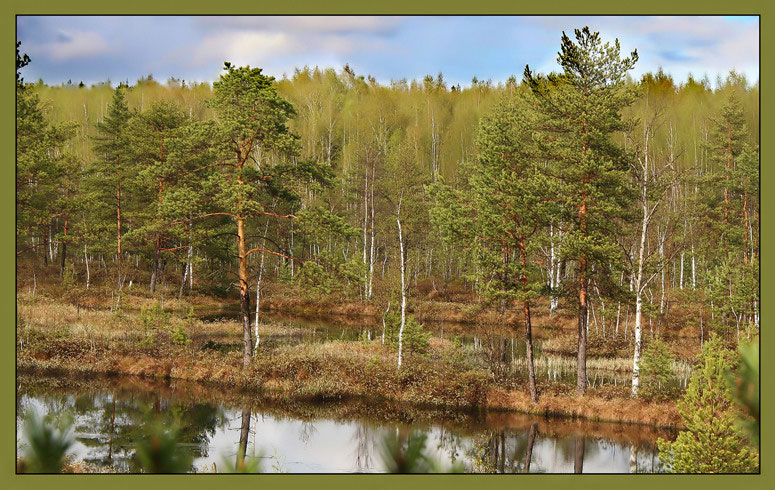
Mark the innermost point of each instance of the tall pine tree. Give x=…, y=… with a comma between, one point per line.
x=580, y=110
x=113, y=166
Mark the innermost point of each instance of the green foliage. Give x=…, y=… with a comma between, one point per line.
x=250, y=465
x=158, y=450
x=711, y=442
x=179, y=336
x=46, y=444
x=331, y=274
x=402, y=453
x=656, y=372
x=744, y=386
x=414, y=338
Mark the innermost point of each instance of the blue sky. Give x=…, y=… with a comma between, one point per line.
x=94, y=49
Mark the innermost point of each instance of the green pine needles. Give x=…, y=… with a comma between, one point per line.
x=656, y=371
x=712, y=441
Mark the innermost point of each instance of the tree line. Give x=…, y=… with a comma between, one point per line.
x=617, y=199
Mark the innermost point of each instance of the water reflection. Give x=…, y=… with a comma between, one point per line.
x=215, y=426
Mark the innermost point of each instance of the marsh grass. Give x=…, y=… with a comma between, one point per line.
x=56, y=336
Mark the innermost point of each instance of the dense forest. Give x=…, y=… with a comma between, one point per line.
x=620, y=200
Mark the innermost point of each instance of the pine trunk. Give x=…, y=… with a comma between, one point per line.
x=244, y=294
x=528, y=327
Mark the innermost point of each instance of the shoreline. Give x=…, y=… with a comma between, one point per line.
x=657, y=415
x=387, y=411
x=55, y=335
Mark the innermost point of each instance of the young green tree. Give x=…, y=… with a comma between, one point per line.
x=657, y=370
x=711, y=442
x=503, y=207
x=581, y=109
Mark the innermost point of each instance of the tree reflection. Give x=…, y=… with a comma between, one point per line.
x=109, y=424
x=363, y=445
x=578, y=461
x=531, y=437
x=243, y=440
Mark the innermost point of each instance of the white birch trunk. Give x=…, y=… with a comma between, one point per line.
x=403, y=285
x=291, y=250
x=371, y=252
x=86, y=261
x=258, y=291
x=554, y=279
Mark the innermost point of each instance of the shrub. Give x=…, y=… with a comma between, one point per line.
x=711, y=442
x=415, y=337
x=69, y=278
x=179, y=335
x=453, y=354
x=155, y=320
x=656, y=372
x=154, y=317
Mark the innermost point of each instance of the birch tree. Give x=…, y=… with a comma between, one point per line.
x=651, y=174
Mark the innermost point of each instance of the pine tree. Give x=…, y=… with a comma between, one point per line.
x=711, y=442
x=731, y=190
x=256, y=164
x=501, y=211
x=47, y=174
x=152, y=133
x=113, y=168
x=581, y=110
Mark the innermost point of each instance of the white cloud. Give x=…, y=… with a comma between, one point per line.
x=243, y=47
x=279, y=45
x=305, y=24
x=71, y=45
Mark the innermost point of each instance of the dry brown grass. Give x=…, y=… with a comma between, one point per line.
x=599, y=408
x=58, y=336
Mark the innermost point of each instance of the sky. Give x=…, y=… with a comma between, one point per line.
x=94, y=49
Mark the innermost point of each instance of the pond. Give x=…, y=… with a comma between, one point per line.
x=109, y=414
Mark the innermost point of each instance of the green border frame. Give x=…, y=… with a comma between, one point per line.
x=8, y=478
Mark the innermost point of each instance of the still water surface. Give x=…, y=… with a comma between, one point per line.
x=108, y=414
